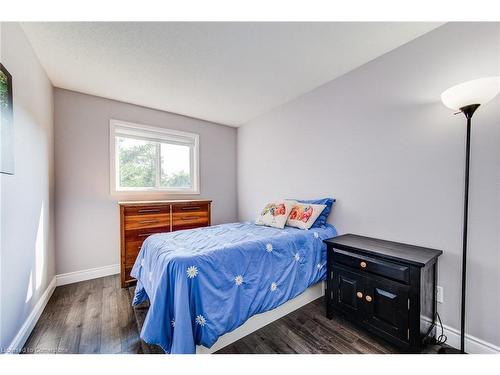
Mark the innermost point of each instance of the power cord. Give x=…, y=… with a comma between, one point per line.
x=441, y=339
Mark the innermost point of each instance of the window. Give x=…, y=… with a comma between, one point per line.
x=150, y=159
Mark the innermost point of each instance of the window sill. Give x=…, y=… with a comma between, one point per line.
x=155, y=192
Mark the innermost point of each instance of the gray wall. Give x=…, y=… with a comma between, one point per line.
x=87, y=216
x=26, y=205
x=379, y=140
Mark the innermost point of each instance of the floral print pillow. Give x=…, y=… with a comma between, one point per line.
x=275, y=214
x=303, y=215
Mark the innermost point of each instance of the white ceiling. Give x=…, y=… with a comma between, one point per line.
x=228, y=73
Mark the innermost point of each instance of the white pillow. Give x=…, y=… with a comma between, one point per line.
x=275, y=214
x=303, y=215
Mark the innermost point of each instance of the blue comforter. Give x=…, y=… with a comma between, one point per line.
x=203, y=283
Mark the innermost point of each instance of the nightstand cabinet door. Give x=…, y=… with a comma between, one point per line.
x=348, y=292
x=387, y=305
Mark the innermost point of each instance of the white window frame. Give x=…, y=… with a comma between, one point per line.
x=155, y=134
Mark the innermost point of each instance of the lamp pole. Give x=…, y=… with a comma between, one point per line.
x=466, y=97
x=468, y=111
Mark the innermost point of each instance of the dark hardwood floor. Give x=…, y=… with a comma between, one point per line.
x=97, y=316
x=94, y=316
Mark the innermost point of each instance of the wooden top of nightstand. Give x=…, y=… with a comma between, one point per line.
x=416, y=255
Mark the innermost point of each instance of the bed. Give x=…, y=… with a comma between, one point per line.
x=205, y=282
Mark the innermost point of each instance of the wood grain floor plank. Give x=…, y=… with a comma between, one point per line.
x=295, y=341
x=90, y=341
x=129, y=332
x=110, y=336
x=328, y=338
x=278, y=343
x=72, y=328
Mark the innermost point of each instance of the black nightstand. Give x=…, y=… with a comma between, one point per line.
x=386, y=287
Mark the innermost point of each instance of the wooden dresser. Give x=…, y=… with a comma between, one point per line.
x=386, y=287
x=140, y=219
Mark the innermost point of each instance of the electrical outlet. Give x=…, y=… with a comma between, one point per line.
x=439, y=294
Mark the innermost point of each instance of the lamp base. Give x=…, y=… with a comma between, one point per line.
x=449, y=350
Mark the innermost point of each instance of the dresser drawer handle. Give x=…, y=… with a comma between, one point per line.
x=148, y=221
x=148, y=211
x=190, y=218
x=368, y=298
x=359, y=295
x=145, y=234
x=190, y=208
x=363, y=264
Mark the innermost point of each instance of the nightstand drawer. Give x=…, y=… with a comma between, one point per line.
x=379, y=267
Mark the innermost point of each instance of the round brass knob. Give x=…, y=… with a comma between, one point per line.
x=368, y=298
x=359, y=295
x=363, y=264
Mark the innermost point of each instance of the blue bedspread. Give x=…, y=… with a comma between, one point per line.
x=203, y=283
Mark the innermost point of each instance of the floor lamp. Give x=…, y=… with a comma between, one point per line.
x=466, y=98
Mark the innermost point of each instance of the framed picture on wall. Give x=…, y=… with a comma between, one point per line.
x=6, y=123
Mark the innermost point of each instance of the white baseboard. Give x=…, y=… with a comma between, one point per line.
x=473, y=345
x=93, y=273
x=24, y=332
x=260, y=320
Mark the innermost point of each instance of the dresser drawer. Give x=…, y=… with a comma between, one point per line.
x=146, y=210
x=190, y=215
x=147, y=221
x=390, y=270
x=189, y=220
x=126, y=277
x=132, y=249
x=134, y=240
x=190, y=207
x=142, y=234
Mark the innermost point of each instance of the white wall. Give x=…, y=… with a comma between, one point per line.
x=380, y=141
x=87, y=215
x=26, y=205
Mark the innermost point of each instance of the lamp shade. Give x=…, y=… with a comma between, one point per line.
x=478, y=91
